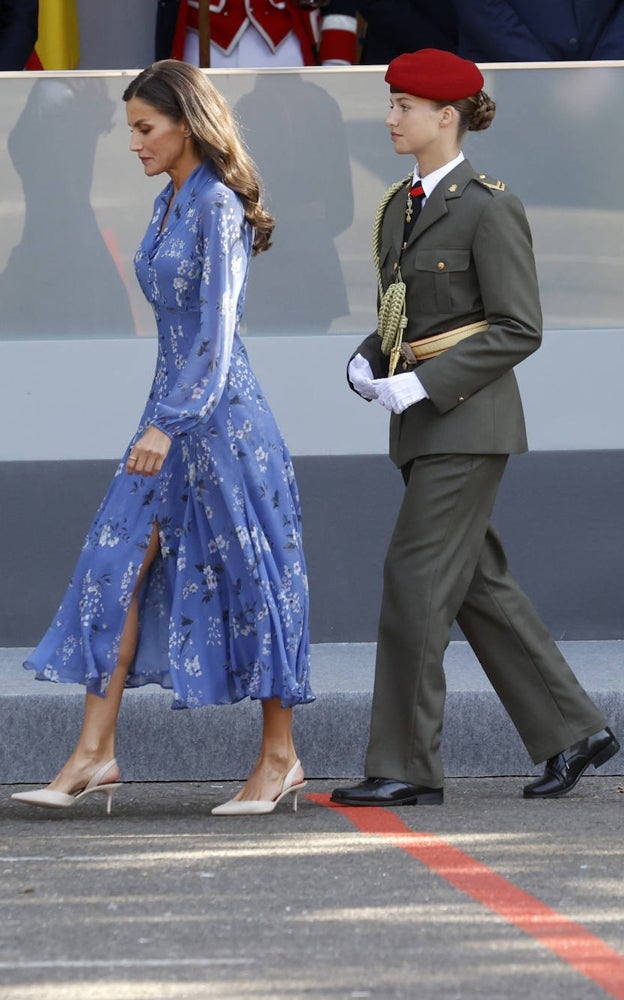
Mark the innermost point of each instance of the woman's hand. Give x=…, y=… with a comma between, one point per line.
x=148, y=453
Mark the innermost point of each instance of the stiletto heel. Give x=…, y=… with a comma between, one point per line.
x=249, y=807
x=107, y=790
x=50, y=799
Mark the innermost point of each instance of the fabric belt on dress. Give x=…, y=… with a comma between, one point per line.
x=429, y=347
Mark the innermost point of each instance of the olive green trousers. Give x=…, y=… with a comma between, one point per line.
x=446, y=563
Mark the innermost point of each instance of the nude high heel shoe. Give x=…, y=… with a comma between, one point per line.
x=51, y=799
x=249, y=807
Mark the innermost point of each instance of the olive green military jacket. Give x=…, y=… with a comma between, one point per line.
x=469, y=257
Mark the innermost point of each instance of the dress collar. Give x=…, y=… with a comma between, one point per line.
x=186, y=195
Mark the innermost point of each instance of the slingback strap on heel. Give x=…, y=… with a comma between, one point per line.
x=51, y=799
x=250, y=807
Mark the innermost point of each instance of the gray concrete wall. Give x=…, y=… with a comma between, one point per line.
x=74, y=205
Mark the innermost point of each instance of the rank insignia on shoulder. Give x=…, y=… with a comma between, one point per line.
x=491, y=183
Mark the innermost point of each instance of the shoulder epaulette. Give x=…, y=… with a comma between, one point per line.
x=490, y=182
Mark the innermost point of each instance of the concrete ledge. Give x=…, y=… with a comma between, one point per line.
x=40, y=721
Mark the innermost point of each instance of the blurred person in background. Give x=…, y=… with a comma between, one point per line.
x=289, y=33
x=535, y=31
x=391, y=27
x=18, y=32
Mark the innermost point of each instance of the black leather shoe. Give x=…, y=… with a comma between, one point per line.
x=562, y=772
x=387, y=792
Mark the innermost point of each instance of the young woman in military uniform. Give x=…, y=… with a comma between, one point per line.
x=459, y=308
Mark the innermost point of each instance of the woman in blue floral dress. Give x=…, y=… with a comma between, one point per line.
x=192, y=574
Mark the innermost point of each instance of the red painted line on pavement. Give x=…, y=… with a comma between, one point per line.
x=571, y=942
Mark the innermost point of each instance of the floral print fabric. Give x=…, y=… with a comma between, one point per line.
x=224, y=607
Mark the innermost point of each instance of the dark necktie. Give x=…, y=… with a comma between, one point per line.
x=412, y=209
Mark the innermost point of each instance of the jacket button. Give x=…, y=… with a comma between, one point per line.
x=441, y=265
x=460, y=399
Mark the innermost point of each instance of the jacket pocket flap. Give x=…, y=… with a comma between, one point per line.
x=442, y=261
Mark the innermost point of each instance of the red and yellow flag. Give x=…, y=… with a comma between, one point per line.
x=58, y=44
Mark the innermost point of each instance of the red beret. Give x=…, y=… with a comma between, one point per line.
x=434, y=74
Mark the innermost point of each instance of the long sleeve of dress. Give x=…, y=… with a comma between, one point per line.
x=221, y=264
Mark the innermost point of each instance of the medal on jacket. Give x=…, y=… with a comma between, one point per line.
x=417, y=191
x=412, y=209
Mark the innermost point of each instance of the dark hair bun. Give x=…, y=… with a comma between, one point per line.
x=483, y=114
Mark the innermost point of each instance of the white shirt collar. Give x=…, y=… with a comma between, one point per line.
x=433, y=179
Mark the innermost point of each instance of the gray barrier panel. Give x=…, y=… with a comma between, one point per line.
x=76, y=347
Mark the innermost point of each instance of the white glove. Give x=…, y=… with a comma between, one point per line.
x=361, y=377
x=399, y=391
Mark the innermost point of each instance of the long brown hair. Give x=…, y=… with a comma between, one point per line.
x=181, y=91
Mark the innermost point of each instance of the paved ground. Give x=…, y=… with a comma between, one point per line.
x=504, y=899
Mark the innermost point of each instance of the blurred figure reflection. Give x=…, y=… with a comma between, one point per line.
x=74, y=286
x=302, y=288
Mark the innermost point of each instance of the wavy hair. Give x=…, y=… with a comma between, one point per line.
x=181, y=91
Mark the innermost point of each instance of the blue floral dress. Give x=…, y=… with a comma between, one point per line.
x=224, y=607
